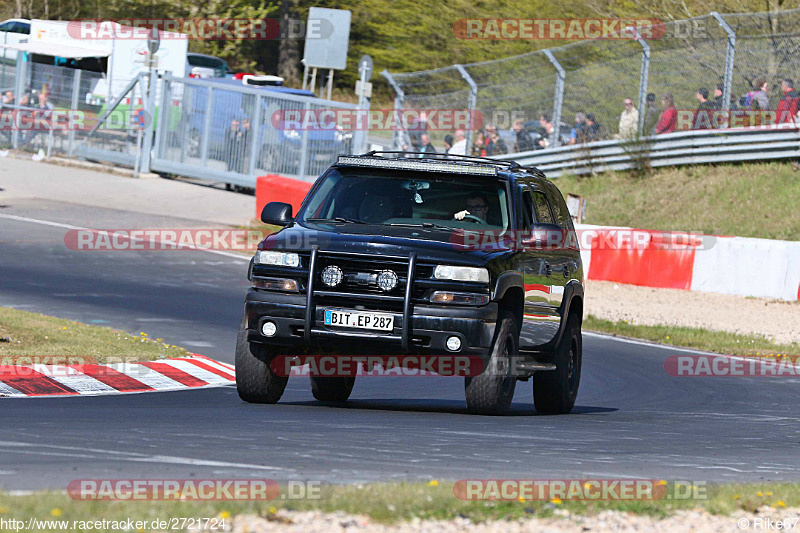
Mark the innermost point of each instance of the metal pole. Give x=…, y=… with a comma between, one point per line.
x=471, y=101
x=304, y=147
x=162, y=128
x=76, y=89
x=330, y=83
x=399, y=99
x=149, y=108
x=255, y=133
x=18, y=90
x=558, y=100
x=729, y=52
x=643, y=78
x=206, y=128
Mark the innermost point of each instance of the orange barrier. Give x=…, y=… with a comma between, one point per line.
x=658, y=260
x=276, y=188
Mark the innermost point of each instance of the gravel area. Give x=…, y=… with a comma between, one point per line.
x=698, y=521
x=778, y=320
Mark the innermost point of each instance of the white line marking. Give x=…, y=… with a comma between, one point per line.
x=225, y=367
x=70, y=226
x=645, y=343
x=148, y=376
x=196, y=371
x=77, y=381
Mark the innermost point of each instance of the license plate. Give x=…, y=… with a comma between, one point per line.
x=359, y=319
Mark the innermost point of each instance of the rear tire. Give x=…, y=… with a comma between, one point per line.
x=491, y=392
x=255, y=380
x=554, y=392
x=336, y=389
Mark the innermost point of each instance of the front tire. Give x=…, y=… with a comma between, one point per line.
x=491, y=392
x=255, y=380
x=336, y=389
x=554, y=392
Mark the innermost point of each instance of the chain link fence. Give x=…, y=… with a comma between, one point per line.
x=724, y=54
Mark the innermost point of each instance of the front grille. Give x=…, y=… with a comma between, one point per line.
x=359, y=277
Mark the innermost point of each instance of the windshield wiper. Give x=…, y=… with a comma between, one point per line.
x=427, y=225
x=341, y=220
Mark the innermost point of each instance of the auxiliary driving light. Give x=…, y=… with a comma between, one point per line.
x=269, y=329
x=387, y=280
x=332, y=275
x=453, y=343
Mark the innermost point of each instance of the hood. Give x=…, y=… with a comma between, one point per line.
x=471, y=248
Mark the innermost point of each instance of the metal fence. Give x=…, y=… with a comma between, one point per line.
x=595, y=76
x=189, y=127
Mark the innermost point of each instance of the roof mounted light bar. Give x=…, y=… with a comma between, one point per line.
x=449, y=167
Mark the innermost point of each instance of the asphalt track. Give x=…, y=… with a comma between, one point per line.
x=631, y=418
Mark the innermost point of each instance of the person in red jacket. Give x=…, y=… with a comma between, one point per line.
x=668, y=118
x=787, y=107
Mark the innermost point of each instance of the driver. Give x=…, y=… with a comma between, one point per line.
x=477, y=207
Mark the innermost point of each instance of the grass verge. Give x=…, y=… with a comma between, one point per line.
x=23, y=333
x=398, y=502
x=697, y=338
x=747, y=200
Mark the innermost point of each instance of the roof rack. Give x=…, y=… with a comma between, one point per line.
x=510, y=165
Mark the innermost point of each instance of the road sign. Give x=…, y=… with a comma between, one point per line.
x=154, y=41
x=327, y=38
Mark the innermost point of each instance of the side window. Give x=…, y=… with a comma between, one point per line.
x=559, y=207
x=543, y=214
x=6, y=26
x=527, y=209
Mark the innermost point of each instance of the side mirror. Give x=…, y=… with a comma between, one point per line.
x=277, y=213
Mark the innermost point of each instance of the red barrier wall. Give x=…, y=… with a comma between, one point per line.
x=276, y=188
x=658, y=262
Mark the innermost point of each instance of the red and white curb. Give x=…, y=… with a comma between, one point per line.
x=195, y=371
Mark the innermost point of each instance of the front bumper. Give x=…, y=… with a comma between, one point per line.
x=430, y=327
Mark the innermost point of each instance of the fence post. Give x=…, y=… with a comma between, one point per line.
x=643, y=79
x=206, y=127
x=19, y=89
x=255, y=133
x=398, y=136
x=558, y=100
x=473, y=98
x=729, y=51
x=76, y=89
x=162, y=127
x=304, y=147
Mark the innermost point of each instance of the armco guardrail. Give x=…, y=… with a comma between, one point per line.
x=679, y=148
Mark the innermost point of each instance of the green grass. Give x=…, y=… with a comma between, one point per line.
x=398, y=502
x=31, y=334
x=697, y=338
x=747, y=200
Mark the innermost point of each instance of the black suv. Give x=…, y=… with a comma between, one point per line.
x=399, y=254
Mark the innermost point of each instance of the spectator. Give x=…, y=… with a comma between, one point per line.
x=578, y=133
x=668, y=118
x=479, y=144
x=417, y=129
x=8, y=98
x=629, y=121
x=719, y=91
x=592, y=128
x=651, y=114
x=233, y=144
x=757, y=98
x=460, y=146
x=702, y=117
x=426, y=147
x=547, y=130
x=495, y=145
x=43, y=112
x=787, y=107
x=524, y=142
x=448, y=143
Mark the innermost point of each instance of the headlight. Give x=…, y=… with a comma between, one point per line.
x=277, y=258
x=459, y=273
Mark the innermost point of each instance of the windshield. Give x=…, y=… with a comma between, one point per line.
x=409, y=198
